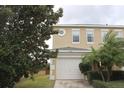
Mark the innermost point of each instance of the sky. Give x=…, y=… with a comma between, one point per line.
x=91, y=14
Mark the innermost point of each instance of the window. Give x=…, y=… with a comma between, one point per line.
x=61, y=32
x=90, y=36
x=75, y=35
x=103, y=34
x=119, y=34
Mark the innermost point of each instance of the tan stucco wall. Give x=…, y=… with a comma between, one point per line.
x=66, y=40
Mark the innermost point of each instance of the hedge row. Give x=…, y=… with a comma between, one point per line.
x=94, y=75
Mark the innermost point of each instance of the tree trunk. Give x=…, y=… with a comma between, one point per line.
x=100, y=71
x=108, y=73
x=108, y=76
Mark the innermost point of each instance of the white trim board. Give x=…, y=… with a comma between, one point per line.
x=78, y=51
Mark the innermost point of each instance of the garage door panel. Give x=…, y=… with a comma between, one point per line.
x=68, y=68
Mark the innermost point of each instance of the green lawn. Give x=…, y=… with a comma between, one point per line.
x=117, y=84
x=40, y=81
x=111, y=84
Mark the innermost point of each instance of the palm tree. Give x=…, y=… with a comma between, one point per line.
x=95, y=62
x=111, y=52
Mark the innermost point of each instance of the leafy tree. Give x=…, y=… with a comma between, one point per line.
x=23, y=32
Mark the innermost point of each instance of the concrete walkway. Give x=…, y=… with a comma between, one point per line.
x=71, y=84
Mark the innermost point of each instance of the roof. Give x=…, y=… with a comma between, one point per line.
x=71, y=49
x=90, y=25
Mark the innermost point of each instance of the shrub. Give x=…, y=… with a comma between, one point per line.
x=117, y=75
x=84, y=67
x=94, y=75
x=7, y=75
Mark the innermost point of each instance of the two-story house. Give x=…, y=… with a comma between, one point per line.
x=73, y=41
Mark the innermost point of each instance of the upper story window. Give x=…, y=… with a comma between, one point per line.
x=90, y=36
x=61, y=32
x=119, y=33
x=103, y=34
x=75, y=35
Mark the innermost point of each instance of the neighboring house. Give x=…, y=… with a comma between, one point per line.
x=73, y=41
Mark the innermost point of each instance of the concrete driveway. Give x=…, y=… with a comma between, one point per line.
x=71, y=84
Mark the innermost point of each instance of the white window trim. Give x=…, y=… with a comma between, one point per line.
x=105, y=30
x=90, y=42
x=75, y=30
x=90, y=30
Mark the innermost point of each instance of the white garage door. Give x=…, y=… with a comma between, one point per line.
x=68, y=68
